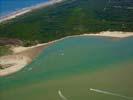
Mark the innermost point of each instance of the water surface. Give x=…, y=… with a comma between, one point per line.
x=9, y=6
x=74, y=65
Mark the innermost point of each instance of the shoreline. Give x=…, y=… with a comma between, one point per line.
x=19, y=60
x=24, y=55
x=114, y=34
x=27, y=10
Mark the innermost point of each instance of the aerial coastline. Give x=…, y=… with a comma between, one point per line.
x=27, y=10
x=66, y=49
x=24, y=55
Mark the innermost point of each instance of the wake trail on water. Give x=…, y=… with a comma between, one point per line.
x=110, y=93
x=62, y=96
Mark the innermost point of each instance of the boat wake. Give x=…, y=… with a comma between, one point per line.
x=62, y=96
x=110, y=93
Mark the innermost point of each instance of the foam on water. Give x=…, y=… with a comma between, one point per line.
x=111, y=93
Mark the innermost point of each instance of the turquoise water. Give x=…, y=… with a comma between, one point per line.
x=71, y=57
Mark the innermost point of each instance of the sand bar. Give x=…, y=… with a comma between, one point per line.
x=20, y=59
x=24, y=55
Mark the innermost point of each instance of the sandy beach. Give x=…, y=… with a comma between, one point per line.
x=28, y=9
x=24, y=55
x=20, y=59
x=17, y=62
x=114, y=34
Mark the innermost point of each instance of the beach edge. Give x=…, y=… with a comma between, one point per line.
x=20, y=51
x=23, y=11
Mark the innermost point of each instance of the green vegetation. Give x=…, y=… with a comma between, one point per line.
x=4, y=50
x=28, y=43
x=68, y=18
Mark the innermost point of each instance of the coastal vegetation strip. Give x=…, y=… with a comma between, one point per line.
x=71, y=17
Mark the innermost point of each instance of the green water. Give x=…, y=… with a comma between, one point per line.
x=74, y=65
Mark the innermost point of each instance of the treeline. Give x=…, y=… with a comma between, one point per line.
x=68, y=18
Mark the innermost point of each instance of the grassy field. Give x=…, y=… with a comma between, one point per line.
x=69, y=18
